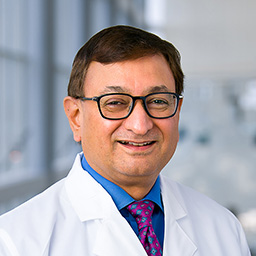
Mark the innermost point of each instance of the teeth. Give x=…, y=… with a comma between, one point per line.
x=136, y=144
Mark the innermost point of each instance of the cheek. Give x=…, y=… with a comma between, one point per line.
x=98, y=131
x=170, y=133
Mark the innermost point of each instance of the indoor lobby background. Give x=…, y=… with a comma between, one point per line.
x=217, y=150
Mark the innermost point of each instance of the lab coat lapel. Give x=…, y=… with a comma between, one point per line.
x=178, y=234
x=117, y=238
x=177, y=241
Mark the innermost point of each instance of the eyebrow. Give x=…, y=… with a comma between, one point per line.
x=158, y=88
x=113, y=89
x=120, y=89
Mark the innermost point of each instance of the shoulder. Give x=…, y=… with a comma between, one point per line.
x=42, y=204
x=42, y=208
x=47, y=201
x=209, y=224
x=53, y=215
x=33, y=219
x=196, y=204
x=185, y=194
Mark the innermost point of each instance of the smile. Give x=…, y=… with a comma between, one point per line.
x=137, y=144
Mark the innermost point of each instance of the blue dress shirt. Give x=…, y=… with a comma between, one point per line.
x=122, y=199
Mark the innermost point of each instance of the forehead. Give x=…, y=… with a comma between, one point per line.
x=139, y=76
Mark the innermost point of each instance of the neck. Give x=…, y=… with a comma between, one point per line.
x=137, y=194
x=136, y=189
x=136, y=185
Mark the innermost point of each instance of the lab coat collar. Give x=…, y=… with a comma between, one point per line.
x=88, y=198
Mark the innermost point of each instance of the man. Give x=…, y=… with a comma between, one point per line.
x=123, y=106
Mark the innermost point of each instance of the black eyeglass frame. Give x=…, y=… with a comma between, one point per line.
x=134, y=98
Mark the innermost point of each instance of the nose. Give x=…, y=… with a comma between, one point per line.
x=138, y=121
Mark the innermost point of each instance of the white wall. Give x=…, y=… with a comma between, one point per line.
x=216, y=38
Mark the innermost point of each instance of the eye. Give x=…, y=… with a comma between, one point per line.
x=115, y=102
x=158, y=102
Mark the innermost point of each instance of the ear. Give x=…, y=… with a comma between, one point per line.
x=179, y=108
x=73, y=112
x=180, y=104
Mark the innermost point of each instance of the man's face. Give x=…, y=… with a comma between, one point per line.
x=149, y=143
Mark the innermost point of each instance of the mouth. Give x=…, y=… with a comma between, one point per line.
x=136, y=144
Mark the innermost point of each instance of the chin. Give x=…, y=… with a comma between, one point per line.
x=141, y=170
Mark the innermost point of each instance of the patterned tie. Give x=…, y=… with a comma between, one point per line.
x=142, y=212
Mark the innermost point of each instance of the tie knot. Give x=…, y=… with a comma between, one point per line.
x=142, y=212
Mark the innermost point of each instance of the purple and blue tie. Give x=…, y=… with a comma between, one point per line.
x=142, y=212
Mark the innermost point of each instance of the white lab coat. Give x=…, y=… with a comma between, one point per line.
x=77, y=217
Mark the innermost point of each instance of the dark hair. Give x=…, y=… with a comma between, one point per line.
x=121, y=43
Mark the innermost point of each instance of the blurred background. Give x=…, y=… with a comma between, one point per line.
x=216, y=154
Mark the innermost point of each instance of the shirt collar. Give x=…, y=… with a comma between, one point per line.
x=120, y=197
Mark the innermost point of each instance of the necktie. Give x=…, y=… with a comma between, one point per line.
x=142, y=212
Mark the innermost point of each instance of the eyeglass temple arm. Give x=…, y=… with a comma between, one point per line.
x=85, y=98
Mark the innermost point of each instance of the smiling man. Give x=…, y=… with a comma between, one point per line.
x=131, y=151
x=123, y=105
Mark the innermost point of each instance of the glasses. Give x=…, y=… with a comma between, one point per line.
x=116, y=106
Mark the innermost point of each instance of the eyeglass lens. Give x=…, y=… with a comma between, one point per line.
x=159, y=105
